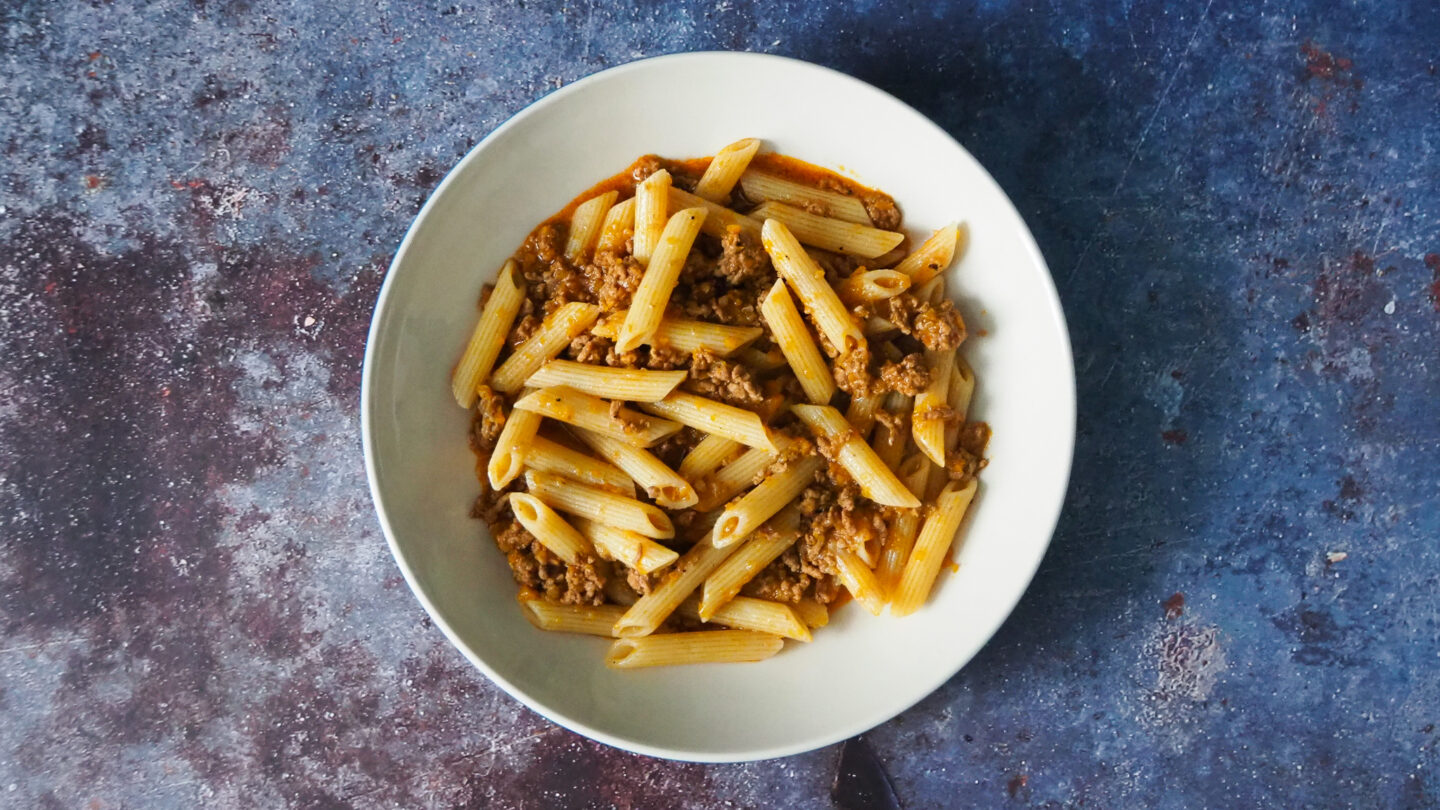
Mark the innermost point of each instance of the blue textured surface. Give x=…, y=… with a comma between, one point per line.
x=1240, y=209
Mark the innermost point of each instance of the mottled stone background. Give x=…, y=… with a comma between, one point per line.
x=1239, y=202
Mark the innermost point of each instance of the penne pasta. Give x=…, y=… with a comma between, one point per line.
x=961, y=391
x=746, y=613
x=489, y=336
x=932, y=291
x=652, y=200
x=648, y=306
x=861, y=415
x=585, y=226
x=808, y=281
x=763, y=362
x=796, y=344
x=619, y=226
x=660, y=482
x=860, y=581
x=769, y=542
x=718, y=219
x=933, y=256
x=725, y=170
x=865, y=286
x=877, y=482
x=890, y=442
x=554, y=335
x=926, y=427
x=686, y=335
x=590, y=620
x=915, y=471
x=826, y=233
x=548, y=527
x=811, y=612
x=763, y=187
x=507, y=460
x=733, y=477
x=705, y=457
x=629, y=384
x=599, y=505
x=762, y=503
x=931, y=546
x=690, y=570
x=582, y=410
x=552, y=457
x=710, y=646
x=711, y=417
x=632, y=549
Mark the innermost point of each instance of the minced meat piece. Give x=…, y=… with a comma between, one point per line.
x=629, y=421
x=883, y=211
x=536, y=567
x=852, y=371
x=672, y=448
x=854, y=375
x=637, y=581
x=665, y=358
x=487, y=421
x=909, y=376
x=646, y=166
x=938, y=327
x=742, y=258
x=782, y=580
x=613, y=279
x=722, y=380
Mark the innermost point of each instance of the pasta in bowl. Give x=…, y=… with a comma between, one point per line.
x=673, y=444
x=673, y=387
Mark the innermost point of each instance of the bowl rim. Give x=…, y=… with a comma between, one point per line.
x=844, y=731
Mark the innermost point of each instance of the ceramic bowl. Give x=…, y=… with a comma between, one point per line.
x=860, y=670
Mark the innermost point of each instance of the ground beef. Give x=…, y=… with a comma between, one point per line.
x=637, y=581
x=672, y=448
x=943, y=412
x=646, y=166
x=630, y=421
x=487, y=421
x=798, y=448
x=938, y=327
x=666, y=358
x=742, y=258
x=722, y=380
x=525, y=326
x=883, y=211
x=782, y=580
x=837, y=266
x=536, y=567
x=613, y=279
x=967, y=459
x=858, y=376
x=589, y=348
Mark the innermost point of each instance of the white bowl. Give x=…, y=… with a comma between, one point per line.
x=860, y=670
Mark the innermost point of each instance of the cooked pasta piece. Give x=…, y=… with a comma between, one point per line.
x=936, y=535
x=808, y=281
x=585, y=226
x=762, y=186
x=767, y=543
x=827, y=233
x=686, y=335
x=711, y=417
x=763, y=362
x=861, y=414
x=705, y=647
x=962, y=389
x=747, y=613
x=718, y=219
x=690, y=570
x=705, y=457
x=632, y=549
x=652, y=199
x=926, y=427
x=893, y=435
x=933, y=256
x=761, y=503
x=725, y=169
x=651, y=297
x=915, y=471
x=590, y=620
x=554, y=335
x=867, y=286
x=489, y=336
x=629, y=384
x=548, y=527
x=660, y=482
x=599, y=505
x=860, y=581
x=811, y=612
x=619, y=226
x=796, y=344
x=507, y=460
x=553, y=457
x=592, y=413
x=733, y=477
x=877, y=482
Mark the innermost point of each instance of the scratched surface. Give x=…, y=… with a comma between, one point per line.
x=1240, y=208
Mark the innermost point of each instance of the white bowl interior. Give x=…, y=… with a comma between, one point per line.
x=859, y=671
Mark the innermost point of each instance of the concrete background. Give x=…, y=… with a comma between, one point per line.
x=198, y=201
